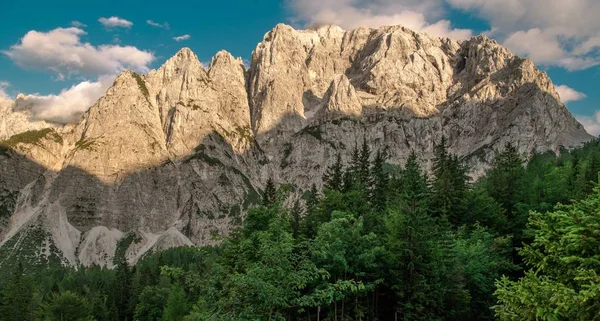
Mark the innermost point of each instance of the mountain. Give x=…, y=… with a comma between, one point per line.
x=176, y=157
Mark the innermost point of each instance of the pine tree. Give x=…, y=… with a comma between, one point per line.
x=505, y=179
x=364, y=165
x=123, y=283
x=270, y=194
x=333, y=177
x=17, y=297
x=380, y=181
x=449, y=185
x=296, y=214
x=409, y=232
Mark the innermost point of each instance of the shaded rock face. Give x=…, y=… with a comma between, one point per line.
x=177, y=156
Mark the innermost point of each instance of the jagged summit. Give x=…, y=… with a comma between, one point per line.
x=180, y=154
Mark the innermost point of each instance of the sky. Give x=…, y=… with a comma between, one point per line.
x=63, y=55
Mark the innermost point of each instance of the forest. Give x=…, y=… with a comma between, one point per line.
x=377, y=242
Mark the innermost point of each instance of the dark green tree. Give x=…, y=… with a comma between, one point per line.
x=17, y=297
x=67, y=306
x=449, y=184
x=380, y=179
x=270, y=194
x=151, y=303
x=296, y=215
x=122, y=290
x=334, y=176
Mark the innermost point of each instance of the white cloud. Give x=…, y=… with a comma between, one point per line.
x=158, y=25
x=3, y=94
x=62, y=51
x=567, y=93
x=551, y=33
x=115, y=22
x=417, y=15
x=182, y=38
x=78, y=24
x=68, y=106
x=591, y=123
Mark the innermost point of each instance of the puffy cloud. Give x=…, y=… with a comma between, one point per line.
x=62, y=51
x=591, y=123
x=66, y=107
x=78, y=24
x=552, y=33
x=158, y=25
x=567, y=93
x=416, y=15
x=115, y=22
x=182, y=38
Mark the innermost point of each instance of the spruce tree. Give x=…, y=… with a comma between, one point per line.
x=409, y=227
x=380, y=186
x=296, y=214
x=270, y=194
x=122, y=298
x=17, y=297
x=334, y=176
x=449, y=185
x=364, y=165
x=505, y=180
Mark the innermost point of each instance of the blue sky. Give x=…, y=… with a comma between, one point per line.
x=69, y=68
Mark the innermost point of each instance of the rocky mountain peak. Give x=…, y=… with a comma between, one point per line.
x=341, y=99
x=179, y=155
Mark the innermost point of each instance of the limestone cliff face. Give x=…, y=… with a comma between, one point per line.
x=176, y=157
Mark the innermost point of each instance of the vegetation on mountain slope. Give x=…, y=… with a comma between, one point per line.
x=377, y=243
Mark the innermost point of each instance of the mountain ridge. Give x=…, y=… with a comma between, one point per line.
x=179, y=154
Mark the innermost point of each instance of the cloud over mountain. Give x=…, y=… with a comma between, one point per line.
x=61, y=51
x=417, y=15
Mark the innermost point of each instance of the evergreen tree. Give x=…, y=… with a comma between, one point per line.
x=151, y=304
x=449, y=184
x=270, y=194
x=122, y=298
x=410, y=231
x=177, y=306
x=296, y=214
x=364, y=165
x=17, y=297
x=505, y=180
x=333, y=177
x=562, y=280
x=380, y=179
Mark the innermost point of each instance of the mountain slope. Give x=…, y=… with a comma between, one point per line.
x=177, y=156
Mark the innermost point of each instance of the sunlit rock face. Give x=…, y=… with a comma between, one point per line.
x=177, y=156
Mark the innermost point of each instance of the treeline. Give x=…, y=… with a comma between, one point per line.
x=378, y=242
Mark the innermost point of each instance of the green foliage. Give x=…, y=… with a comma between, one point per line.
x=151, y=304
x=123, y=245
x=67, y=306
x=17, y=297
x=32, y=137
x=84, y=144
x=379, y=242
x=562, y=282
x=270, y=193
x=177, y=306
x=449, y=184
x=141, y=85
